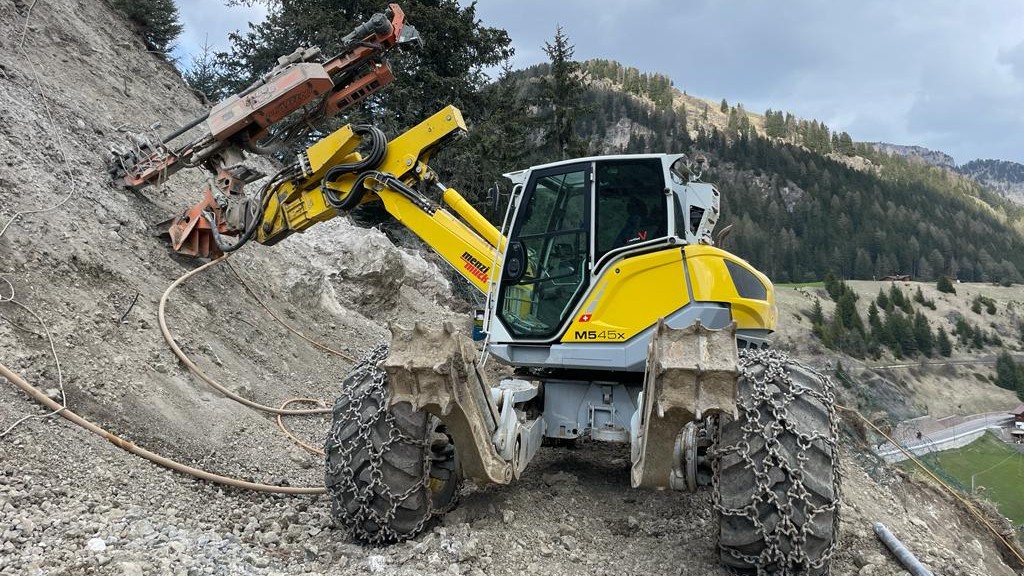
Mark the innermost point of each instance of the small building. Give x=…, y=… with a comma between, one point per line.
x=1018, y=435
x=1018, y=417
x=896, y=278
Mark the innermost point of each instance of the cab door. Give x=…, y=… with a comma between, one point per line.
x=547, y=263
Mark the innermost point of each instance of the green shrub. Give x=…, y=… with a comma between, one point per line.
x=945, y=285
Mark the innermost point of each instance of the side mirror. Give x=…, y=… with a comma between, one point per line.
x=515, y=262
x=681, y=169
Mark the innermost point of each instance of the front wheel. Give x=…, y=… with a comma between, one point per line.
x=390, y=470
x=776, y=470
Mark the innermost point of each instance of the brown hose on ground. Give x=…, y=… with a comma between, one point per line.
x=197, y=371
x=301, y=443
x=154, y=458
x=252, y=292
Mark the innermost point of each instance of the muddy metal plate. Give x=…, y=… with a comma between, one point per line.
x=435, y=370
x=691, y=373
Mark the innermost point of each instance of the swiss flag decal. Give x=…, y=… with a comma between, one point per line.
x=585, y=318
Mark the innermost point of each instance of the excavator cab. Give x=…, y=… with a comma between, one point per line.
x=598, y=249
x=570, y=219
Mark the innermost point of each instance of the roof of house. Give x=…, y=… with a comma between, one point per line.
x=1018, y=411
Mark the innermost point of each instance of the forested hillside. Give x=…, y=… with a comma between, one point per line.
x=806, y=201
x=803, y=199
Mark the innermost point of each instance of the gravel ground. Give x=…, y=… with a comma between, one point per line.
x=72, y=503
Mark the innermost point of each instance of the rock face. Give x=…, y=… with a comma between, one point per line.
x=933, y=157
x=1005, y=177
x=94, y=272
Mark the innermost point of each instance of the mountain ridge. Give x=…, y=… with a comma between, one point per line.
x=803, y=200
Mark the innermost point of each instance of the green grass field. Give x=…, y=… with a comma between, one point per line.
x=996, y=466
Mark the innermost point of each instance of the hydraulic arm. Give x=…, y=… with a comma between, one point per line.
x=331, y=177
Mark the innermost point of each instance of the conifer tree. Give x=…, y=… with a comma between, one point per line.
x=203, y=73
x=157, y=21
x=943, y=343
x=923, y=334
x=944, y=285
x=562, y=90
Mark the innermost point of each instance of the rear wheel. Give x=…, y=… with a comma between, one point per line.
x=776, y=470
x=390, y=470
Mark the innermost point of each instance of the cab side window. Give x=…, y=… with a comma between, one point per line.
x=631, y=203
x=553, y=231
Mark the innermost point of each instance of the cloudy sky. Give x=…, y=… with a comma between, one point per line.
x=946, y=74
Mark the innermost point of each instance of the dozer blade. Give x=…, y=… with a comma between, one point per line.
x=691, y=373
x=435, y=371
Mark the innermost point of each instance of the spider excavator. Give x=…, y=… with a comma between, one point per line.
x=620, y=319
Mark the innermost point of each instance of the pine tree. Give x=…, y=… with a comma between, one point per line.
x=944, y=285
x=157, y=21
x=977, y=338
x=875, y=322
x=562, y=90
x=203, y=73
x=724, y=107
x=896, y=296
x=846, y=308
x=817, y=316
x=1007, y=372
x=883, y=301
x=923, y=334
x=832, y=286
x=942, y=342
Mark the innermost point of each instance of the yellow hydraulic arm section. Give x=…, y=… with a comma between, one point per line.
x=468, y=244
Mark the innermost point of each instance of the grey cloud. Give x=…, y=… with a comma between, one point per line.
x=947, y=75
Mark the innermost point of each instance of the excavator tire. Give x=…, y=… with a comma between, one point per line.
x=776, y=470
x=390, y=470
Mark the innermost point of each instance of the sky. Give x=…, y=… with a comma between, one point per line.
x=944, y=74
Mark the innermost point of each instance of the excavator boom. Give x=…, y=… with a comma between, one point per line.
x=336, y=178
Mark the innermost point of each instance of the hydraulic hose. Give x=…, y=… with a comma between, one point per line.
x=161, y=318
x=41, y=398
x=378, y=148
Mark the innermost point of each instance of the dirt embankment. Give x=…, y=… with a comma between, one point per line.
x=72, y=503
x=910, y=387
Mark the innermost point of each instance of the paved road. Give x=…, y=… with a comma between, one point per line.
x=987, y=359
x=962, y=431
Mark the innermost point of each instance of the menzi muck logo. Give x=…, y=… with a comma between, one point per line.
x=475, y=267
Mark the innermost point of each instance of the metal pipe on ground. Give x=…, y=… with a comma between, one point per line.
x=906, y=557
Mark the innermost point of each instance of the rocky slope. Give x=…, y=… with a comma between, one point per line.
x=918, y=153
x=1005, y=177
x=93, y=271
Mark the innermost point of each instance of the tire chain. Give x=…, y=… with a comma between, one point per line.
x=356, y=397
x=763, y=397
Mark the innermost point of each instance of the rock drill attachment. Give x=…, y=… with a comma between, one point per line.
x=691, y=373
x=276, y=113
x=436, y=371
